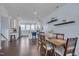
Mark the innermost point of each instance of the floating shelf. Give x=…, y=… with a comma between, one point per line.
x=52, y=21
x=64, y=23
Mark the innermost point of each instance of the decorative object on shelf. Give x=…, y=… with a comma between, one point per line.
x=63, y=23
x=64, y=20
x=52, y=20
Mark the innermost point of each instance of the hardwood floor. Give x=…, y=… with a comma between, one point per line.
x=21, y=47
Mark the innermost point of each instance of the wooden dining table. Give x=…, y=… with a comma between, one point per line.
x=56, y=43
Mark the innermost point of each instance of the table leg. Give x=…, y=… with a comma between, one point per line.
x=53, y=50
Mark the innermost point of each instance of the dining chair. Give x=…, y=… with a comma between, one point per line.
x=39, y=39
x=33, y=35
x=69, y=48
x=2, y=53
x=45, y=47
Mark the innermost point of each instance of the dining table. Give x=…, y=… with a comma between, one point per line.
x=56, y=43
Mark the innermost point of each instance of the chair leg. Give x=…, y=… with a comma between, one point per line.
x=37, y=45
x=46, y=53
x=72, y=54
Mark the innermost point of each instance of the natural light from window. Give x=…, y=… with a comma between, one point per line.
x=30, y=27
x=22, y=27
x=27, y=27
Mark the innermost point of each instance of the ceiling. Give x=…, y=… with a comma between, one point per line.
x=31, y=11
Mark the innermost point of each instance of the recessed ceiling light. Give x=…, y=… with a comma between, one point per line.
x=35, y=13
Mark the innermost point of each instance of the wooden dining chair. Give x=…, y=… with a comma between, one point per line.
x=2, y=52
x=45, y=47
x=69, y=47
x=39, y=39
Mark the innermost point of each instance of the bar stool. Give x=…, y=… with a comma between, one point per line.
x=12, y=38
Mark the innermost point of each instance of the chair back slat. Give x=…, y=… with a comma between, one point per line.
x=71, y=41
x=43, y=43
x=70, y=45
x=59, y=36
x=42, y=38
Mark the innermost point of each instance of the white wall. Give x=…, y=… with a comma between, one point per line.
x=0, y=32
x=3, y=22
x=5, y=27
x=68, y=12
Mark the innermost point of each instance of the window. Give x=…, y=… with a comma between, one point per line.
x=22, y=27
x=32, y=27
x=27, y=27
x=15, y=22
x=37, y=26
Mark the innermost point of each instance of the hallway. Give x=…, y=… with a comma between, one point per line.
x=30, y=20
x=21, y=47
